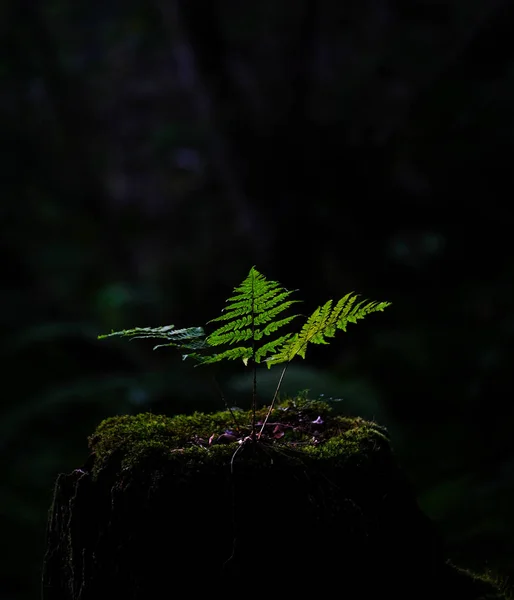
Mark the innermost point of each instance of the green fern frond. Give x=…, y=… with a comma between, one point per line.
x=249, y=316
x=323, y=323
x=192, y=338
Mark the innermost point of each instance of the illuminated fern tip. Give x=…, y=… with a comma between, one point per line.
x=323, y=324
x=253, y=313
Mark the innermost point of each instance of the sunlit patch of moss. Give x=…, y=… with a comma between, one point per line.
x=304, y=427
x=353, y=443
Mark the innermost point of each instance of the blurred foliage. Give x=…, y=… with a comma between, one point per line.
x=153, y=151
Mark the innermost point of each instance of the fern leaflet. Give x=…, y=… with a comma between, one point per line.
x=323, y=323
x=191, y=338
x=250, y=316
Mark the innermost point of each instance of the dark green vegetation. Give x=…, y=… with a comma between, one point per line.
x=319, y=501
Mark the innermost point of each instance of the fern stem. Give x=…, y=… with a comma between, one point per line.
x=271, y=406
x=254, y=400
x=254, y=365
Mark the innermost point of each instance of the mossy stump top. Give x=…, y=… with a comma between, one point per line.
x=194, y=504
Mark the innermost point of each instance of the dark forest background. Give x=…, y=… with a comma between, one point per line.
x=152, y=152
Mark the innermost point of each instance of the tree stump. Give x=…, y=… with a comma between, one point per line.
x=193, y=505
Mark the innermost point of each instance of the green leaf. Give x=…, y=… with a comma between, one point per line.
x=250, y=315
x=187, y=338
x=323, y=323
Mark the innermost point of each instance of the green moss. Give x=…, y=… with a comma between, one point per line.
x=302, y=429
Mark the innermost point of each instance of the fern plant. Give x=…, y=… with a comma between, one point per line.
x=249, y=330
